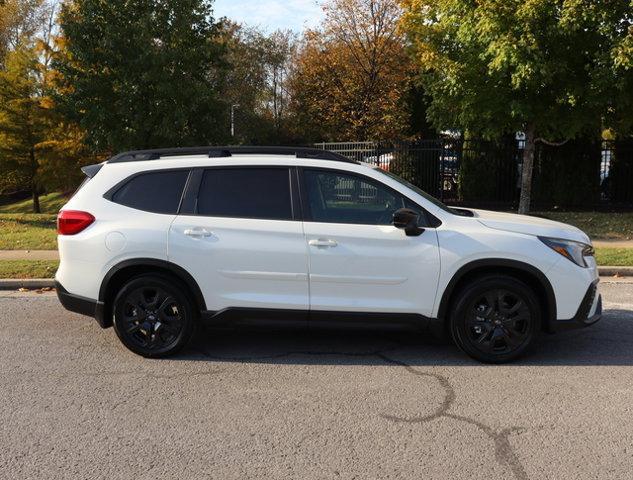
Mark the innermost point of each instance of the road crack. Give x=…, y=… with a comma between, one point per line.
x=505, y=454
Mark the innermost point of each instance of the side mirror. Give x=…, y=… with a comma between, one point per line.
x=407, y=219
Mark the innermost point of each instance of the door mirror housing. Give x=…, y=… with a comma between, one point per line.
x=407, y=219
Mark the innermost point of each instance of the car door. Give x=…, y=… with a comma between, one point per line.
x=358, y=260
x=243, y=241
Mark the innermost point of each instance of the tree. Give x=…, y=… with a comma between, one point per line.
x=143, y=73
x=352, y=73
x=23, y=121
x=20, y=21
x=257, y=82
x=39, y=149
x=543, y=67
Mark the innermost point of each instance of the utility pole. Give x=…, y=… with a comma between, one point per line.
x=233, y=107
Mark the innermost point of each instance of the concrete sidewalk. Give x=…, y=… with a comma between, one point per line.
x=29, y=255
x=613, y=243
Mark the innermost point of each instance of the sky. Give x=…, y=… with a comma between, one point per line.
x=271, y=14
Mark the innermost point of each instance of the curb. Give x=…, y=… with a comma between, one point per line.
x=30, y=283
x=35, y=283
x=615, y=271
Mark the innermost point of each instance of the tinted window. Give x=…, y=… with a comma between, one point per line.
x=246, y=193
x=336, y=197
x=157, y=192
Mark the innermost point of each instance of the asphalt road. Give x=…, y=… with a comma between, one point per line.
x=75, y=404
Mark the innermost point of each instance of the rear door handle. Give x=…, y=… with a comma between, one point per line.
x=322, y=242
x=198, y=232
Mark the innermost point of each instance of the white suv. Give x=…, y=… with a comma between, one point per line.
x=156, y=241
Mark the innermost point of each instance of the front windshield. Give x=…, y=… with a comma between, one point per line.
x=417, y=190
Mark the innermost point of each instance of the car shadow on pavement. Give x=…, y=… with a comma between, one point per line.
x=609, y=342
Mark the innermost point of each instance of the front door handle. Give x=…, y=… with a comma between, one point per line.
x=198, y=232
x=322, y=242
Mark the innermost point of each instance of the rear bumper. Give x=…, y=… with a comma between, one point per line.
x=79, y=304
x=589, y=311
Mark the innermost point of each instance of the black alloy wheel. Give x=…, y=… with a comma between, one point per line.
x=495, y=319
x=153, y=316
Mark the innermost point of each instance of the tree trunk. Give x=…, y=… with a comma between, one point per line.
x=34, y=189
x=528, y=168
x=36, y=199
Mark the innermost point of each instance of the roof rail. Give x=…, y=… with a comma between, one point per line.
x=218, y=152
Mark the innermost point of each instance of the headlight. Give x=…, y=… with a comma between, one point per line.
x=574, y=251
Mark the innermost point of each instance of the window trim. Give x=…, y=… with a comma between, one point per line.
x=190, y=198
x=117, y=186
x=307, y=214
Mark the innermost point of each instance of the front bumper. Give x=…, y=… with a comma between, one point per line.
x=589, y=311
x=79, y=304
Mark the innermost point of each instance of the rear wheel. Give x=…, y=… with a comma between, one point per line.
x=153, y=316
x=495, y=319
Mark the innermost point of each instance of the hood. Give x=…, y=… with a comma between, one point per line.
x=525, y=224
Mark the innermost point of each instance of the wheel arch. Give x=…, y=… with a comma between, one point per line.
x=525, y=272
x=123, y=271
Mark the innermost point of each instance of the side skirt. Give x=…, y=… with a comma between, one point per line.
x=319, y=319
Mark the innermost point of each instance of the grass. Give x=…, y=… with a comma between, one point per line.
x=27, y=231
x=49, y=203
x=28, y=268
x=598, y=225
x=616, y=257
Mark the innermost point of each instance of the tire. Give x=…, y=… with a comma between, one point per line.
x=495, y=319
x=153, y=316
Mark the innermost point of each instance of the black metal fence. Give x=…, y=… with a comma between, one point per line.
x=581, y=173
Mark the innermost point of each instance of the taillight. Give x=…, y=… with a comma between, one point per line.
x=70, y=222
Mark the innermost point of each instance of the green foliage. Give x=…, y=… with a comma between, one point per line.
x=494, y=67
x=143, y=73
x=553, y=69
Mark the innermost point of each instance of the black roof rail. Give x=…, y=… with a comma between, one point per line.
x=217, y=152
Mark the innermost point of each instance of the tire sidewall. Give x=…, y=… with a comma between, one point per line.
x=170, y=286
x=477, y=288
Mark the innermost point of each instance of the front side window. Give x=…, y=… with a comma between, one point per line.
x=338, y=197
x=157, y=192
x=246, y=193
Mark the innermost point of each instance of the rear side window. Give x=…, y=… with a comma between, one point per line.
x=157, y=192
x=246, y=193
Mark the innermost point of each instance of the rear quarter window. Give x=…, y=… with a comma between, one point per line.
x=157, y=192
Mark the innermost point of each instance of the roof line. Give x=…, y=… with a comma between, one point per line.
x=227, y=151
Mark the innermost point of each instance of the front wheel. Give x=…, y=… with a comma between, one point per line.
x=495, y=319
x=153, y=317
